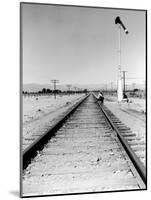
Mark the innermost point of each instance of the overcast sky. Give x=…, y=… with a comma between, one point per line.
x=80, y=44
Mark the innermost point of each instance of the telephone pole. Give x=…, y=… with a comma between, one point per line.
x=54, y=82
x=111, y=86
x=133, y=85
x=69, y=87
x=75, y=88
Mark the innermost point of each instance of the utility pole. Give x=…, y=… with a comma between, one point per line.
x=111, y=86
x=54, y=82
x=119, y=86
x=133, y=85
x=124, y=85
x=75, y=89
x=69, y=87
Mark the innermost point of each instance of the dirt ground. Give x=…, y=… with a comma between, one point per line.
x=39, y=115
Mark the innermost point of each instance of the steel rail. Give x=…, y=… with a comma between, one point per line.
x=38, y=144
x=135, y=160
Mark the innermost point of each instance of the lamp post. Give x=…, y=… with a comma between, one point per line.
x=119, y=86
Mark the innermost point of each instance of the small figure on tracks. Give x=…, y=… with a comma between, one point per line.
x=125, y=97
x=100, y=97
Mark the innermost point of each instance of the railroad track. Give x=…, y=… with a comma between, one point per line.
x=84, y=154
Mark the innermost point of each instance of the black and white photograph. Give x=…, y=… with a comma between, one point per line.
x=83, y=88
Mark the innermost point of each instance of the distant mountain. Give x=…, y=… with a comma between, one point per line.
x=33, y=87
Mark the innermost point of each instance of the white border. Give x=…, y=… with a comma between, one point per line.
x=9, y=100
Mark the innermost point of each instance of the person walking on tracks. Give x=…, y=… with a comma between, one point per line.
x=100, y=97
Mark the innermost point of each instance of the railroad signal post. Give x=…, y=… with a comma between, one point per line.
x=119, y=86
x=54, y=82
x=124, y=85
